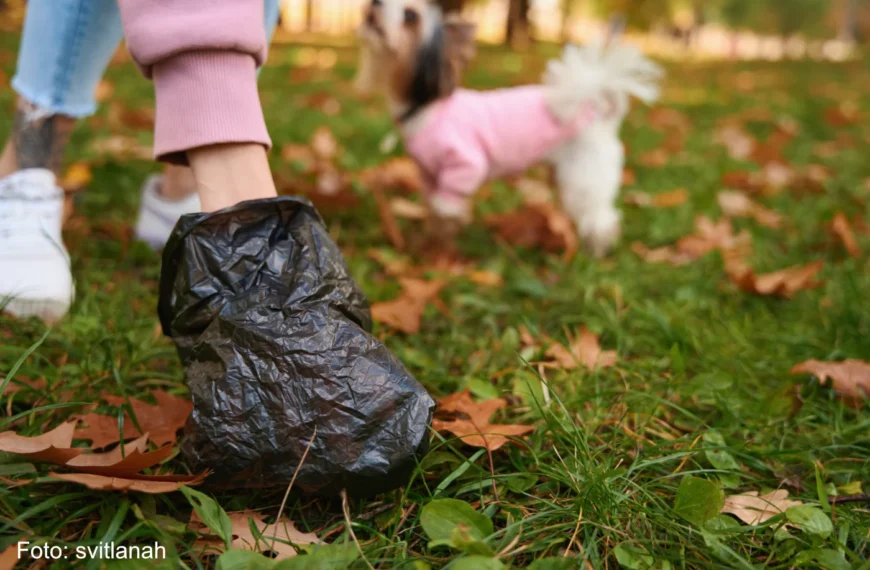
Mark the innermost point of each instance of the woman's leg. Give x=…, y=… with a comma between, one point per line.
x=178, y=182
x=65, y=48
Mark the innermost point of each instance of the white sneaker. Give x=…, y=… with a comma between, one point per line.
x=35, y=277
x=158, y=216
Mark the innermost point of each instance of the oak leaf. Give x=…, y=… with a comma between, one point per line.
x=850, y=378
x=405, y=313
x=584, y=350
x=272, y=537
x=469, y=421
x=737, y=205
x=54, y=446
x=152, y=484
x=783, y=283
x=117, y=463
x=160, y=421
x=754, y=509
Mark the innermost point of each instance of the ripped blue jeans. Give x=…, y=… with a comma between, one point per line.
x=66, y=47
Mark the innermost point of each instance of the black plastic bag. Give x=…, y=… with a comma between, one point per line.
x=273, y=332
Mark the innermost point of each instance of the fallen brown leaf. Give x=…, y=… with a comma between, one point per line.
x=655, y=158
x=670, y=199
x=272, y=537
x=469, y=421
x=405, y=313
x=54, y=446
x=324, y=144
x=9, y=557
x=407, y=209
x=76, y=177
x=104, y=91
x=754, y=509
x=736, y=140
x=117, y=463
x=160, y=421
x=584, y=350
x=537, y=225
x=783, y=283
x=737, y=205
x=486, y=278
x=142, y=483
x=103, y=430
x=850, y=378
x=843, y=115
x=843, y=230
x=710, y=236
x=397, y=174
x=664, y=254
x=300, y=155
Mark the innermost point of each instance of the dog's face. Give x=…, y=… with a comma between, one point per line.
x=411, y=51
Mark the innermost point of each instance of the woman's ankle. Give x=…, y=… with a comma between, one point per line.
x=227, y=174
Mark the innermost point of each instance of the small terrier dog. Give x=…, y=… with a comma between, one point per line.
x=462, y=138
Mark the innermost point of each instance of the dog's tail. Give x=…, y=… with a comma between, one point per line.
x=597, y=70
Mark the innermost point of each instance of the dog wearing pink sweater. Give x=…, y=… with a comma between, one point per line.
x=462, y=138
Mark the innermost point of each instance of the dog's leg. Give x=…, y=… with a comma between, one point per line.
x=589, y=174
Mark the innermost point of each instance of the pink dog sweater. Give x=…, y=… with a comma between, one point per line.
x=478, y=136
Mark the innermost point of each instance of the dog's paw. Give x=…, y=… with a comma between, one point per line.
x=450, y=210
x=600, y=232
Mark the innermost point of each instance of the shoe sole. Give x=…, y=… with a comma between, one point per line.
x=49, y=311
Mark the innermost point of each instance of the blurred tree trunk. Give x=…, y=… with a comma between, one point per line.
x=849, y=23
x=309, y=15
x=567, y=13
x=518, y=33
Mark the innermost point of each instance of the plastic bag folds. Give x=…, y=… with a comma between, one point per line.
x=274, y=335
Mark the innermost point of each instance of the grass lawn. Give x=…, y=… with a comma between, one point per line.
x=701, y=397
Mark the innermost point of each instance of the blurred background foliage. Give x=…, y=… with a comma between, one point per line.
x=848, y=20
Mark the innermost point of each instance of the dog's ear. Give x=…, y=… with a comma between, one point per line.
x=441, y=61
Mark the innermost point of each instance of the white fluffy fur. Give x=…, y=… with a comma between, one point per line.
x=589, y=167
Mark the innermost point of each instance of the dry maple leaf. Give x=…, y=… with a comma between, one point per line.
x=584, y=350
x=273, y=537
x=152, y=484
x=406, y=312
x=469, y=421
x=754, y=509
x=54, y=446
x=737, y=205
x=160, y=421
x=850, y=378
x=783, y=283
x=537, y=225
x=843, y=230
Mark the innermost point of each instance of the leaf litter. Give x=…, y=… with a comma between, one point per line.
x=405, y=313
x=119, y=468
x=468, y=420
x=161, y=421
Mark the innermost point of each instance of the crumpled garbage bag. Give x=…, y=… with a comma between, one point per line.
x=274, y=335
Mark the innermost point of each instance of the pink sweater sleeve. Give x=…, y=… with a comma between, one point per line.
x=202, y=56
